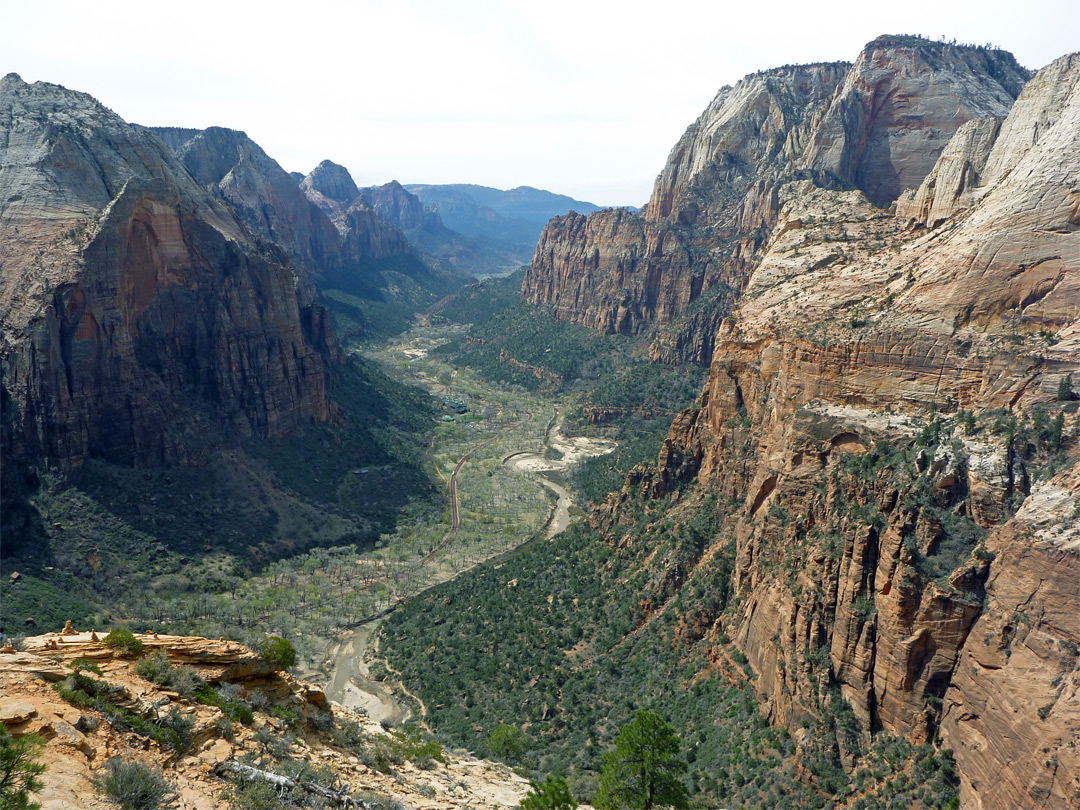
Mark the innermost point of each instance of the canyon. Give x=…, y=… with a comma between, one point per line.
x=878, y=264
x=900, y=242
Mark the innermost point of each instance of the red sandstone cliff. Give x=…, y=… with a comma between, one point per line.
x=138, y=314
x=871, y=548
x=877, y=125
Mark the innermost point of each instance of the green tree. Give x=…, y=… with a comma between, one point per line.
x=551, y=794
x=1065, y=392
x=1056, y=431
x=278, y=652
x=967, y=419
x=19, y=771
x=508, y=743
x=643, y=771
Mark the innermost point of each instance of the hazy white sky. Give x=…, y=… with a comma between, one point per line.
x=581, y=97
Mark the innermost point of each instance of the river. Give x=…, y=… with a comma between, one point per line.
x=351, y=683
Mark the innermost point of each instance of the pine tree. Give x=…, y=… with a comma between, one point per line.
x=19, y=770
x=1065, y=392
x=644, y=769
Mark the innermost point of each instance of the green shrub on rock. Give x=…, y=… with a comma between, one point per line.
x=551, y=794
x=278, y=652
x=123, y=640
x=134, y=786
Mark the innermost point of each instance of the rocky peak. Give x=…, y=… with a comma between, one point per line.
x=396, y=205
x=877, y=125
x=300, y=220
x=898, y=107
x=746, y=129
x=332, y=181
x=854, y=331
x=134, y=303
x=172, y=137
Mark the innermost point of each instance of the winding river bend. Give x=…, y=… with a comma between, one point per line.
x=351, y=681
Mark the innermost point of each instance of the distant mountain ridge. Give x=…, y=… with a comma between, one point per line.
x=331, y=188
x=517, y=216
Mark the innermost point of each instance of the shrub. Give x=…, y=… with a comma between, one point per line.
x=134, y=786
x=278, y=652
x=287, y=714
x=156, y=668
x=382, y=755
x=225, y=728
x=508, y=743
x=85, y=665
x=124, y=640
x=377, y=801
x=552, y=794
x=183, y=725
x=227, y=700
x=348, y=734
x=424, y=753
x=255, y=796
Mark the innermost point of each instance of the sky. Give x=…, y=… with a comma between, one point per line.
x=581, y=97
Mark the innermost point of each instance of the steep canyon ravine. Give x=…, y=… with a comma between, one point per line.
x=350, y=680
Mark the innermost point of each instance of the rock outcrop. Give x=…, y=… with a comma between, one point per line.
x=1012, y=709
x=139, y=315
x=899, y=105
x=330, y=186
x=878, y=126
x=320, y=234
x=321, y=736
x=267, y=199
x=871, y=553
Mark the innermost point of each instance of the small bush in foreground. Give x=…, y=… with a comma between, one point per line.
x=255, y=796
x=156, y=668
x=551, y=794
x=134, y=786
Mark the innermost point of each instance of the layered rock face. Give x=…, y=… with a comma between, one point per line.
x=79, y=740
x=330, y=186
x=137, y=310
x=319, y=234
x=871, y=549
x=877, y=125
x=899, y=105
x=1012, y=709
